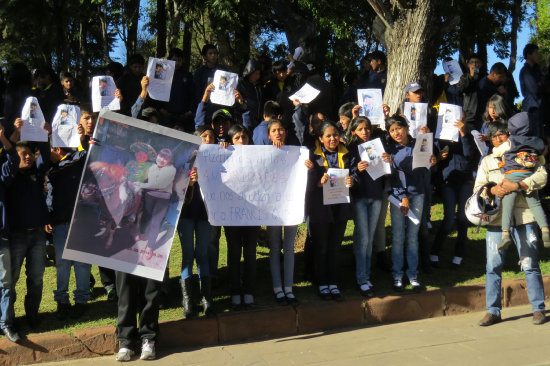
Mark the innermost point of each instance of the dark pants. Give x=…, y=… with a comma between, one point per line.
x=242, y=239
x=327, y=240
x=137, y=295
x=107, y=276
x=454, y=199
x=214, y=250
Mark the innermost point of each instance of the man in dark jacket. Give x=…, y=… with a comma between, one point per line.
x=530, y=79
x=129, y=84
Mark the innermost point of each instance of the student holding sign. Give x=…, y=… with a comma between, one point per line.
x=457, y=163
x=367, y=202
x=408, y=188
x=327, y=223
x=195, y=233
x=241, y=239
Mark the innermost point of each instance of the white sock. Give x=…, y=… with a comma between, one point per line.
x=236, y=299
x=323, y=287
x=364, y=287
x=248, y=299
x=457, y=260
x=434, y=258
x=288, y=289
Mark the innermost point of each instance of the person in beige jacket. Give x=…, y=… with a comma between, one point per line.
x=523, y=232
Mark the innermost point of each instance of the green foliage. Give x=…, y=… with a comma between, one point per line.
x=541, y=24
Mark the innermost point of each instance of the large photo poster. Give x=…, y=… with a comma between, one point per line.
x=130, y=196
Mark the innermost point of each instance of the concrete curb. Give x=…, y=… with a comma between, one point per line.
x=269, y=323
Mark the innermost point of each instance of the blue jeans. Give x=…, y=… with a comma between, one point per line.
x=403, y=227
x=29, y=244
x=454, y=201
x=195, y=237
x=366, y=213
x=276, y=242
x=525, y=238
x=63, y=270
x=5, y=281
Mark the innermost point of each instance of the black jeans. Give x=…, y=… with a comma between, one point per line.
x=242, y=239
x=137, y=295
x=327, y=240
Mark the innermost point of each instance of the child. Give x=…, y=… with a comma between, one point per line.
x=241, y=239
x=497, y=110
x=64, y=179
x=71, y=94
x=408, y=188
x=27, y=214
x=519, y=160
x=277, y=135
x=345, y=115
x=195, y=233
x=6, y=324
x=272, y=110
x=327, y=222
x=367, y=202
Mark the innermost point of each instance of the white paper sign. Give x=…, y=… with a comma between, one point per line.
x=481, y=145
x=224, y=83
x=33, y=121
x=423, y=151
x=160, y=73
x=453, y=68
x=253, y=185
x=371, y=152
x=410, y=214
x=306, y=94
x=65, y=126
x=335, y=190
x=103, y=94
x=370, y=101
x=446, y=119
x=416, y=115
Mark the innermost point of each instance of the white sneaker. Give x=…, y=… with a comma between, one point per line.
x=148, y=350
x=124, y=354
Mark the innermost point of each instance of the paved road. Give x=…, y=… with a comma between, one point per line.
x=454, y=340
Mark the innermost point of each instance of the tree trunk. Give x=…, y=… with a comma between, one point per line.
x=175, y=18
x=132, y=14
x=186, y=44
x=411, y=46
x=482, y=52
x=516, y=16
x=161, y=28
x=300, y=31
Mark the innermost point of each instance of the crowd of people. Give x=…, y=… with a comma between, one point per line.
x=39, y=184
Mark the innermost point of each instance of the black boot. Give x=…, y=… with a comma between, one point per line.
x=206, y=293
x=187, y=300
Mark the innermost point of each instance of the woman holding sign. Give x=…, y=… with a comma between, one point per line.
x=367, y=202
x=327, y=223
x=241, y=240
x=407, y=198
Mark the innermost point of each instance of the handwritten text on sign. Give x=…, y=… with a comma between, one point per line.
x=253, y=185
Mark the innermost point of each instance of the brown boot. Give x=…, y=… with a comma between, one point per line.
x=539, y=318
x=489, y=319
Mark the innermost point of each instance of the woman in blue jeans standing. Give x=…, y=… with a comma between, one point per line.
x=195, y=233
x=367, y=201
x=408, y=191
x=524, y=233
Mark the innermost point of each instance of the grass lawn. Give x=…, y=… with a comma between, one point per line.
x=102, y=312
